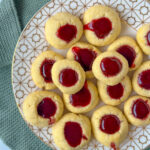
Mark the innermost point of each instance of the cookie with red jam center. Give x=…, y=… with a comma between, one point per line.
x=110, y=67
x=42, y=108
x=115, y=94
x=109, y=123
x=143, y=38
x=104, y=27
x=137, y=110
x=63, y=29
x=72, y=132
x=41, y=69
x=85, y=54
x=84, y=100
x=68, y=76
x=128, y=48
x=141, y=80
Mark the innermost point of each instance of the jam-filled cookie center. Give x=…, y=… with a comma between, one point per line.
x=68, y=77
x=46, y=108
x=101, y=27
x=84, y=56
x=81, y=98
x=140, y=109
x=109, y=124
x=144, y=79
x=115, y=91
x=73, y=133
x=148, y=38
x=129, y=53
x=67, y=32
x=110, y=66
x=45, y=70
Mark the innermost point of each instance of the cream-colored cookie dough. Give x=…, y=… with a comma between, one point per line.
x=138, y=87
x=129, y=108
x=72, y=54
x=118, y=60
x=60, y=134
x=84, y=100
x=115, y=98
x=97, y=12
x=105, y=138
x=79, y=75
x=131, y=45
x=30, y=108
x=36, y=65
x=143, y=38
x=62, y=19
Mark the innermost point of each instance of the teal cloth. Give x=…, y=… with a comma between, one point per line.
x=14, y=14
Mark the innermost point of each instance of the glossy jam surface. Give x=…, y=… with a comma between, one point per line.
x=68, y=77
x=144, y=79
x=148, y=38
x=116, y=91
x=81, y=98
x=47, y=108
x=45, y=70
x=140, y=109
x=110, y=66
x=109, y=124
x=67, y=32
x=85, y=57
x=129, y=53
x=101, y=27
x=73, y=133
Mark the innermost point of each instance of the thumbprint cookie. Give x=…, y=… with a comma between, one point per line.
x=63, y=29
x=42, y=108
x=101, y=25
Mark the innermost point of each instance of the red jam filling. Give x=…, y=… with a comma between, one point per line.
x=68, y=77
x=109, y=124
x=144, y=79
x=45, y=70
x=148, y=38
x=129, y=53
x=85, y=57
x=116, y=91
x=140, y=109
x=101, y=27
x=73, y=133
x=67, y=32
x=47, y=108
x=81, y=98
x=110, y=66
x=113, y=146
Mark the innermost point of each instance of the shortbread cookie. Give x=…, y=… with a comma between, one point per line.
x=72, y=132
x=128, y=47
x=141, y=79
x=137, y=110
x=101, y=25
x=143, y=38
x=42, y=108
x=84, y=100
x=110, y=127
x=84, y=54
x=68, y=76
x=63, y=29
x=110, y=67
x=116, y=94
x=41, y=69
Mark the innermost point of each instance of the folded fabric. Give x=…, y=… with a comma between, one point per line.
x=13, y=130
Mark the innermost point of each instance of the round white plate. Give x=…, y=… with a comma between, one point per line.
x=32, y=42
